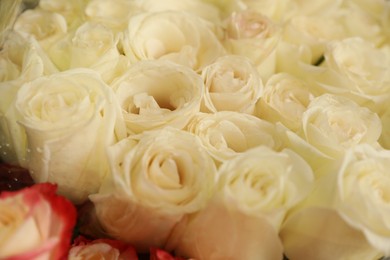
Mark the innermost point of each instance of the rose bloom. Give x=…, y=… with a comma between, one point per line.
x=72, y=10
x=83, y=248
x=363, y=197
x=333, y=124
x=177, y=36
x=254, y=191
x=69, y=119
x=35, y=223
x=155, y=94
x=314, y=31
x=347, y=214
x=255, y=36
x=45, y=26
x=196, y=7
x=22, y=60
x=232, y=83
x=88, y=45
x=284, y=100
x=365, y=79
x=157, y=178
x=226, y=133
x=114, y=14
x=367, y=20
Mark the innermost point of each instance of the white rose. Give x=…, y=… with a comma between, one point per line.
x=227, y=133
x=156, y=179
x=92, y=43
x=313, y=31
x=350, y=200
x=72, y=10
x=333, y=124
x=23, y=61
x=254, y=191
x=363, y=194
x=69, y=119
x=326, y=234
x=198, y=8
x=171, y=35
x=284, y=100
x=47, y=27
x=356, y=69
x=114, y=14
x=366, y=19
x=154, y=94
x=262, y=181
x=255, y=36
x=232, y=83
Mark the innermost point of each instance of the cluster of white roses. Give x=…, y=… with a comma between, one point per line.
x=219, y=129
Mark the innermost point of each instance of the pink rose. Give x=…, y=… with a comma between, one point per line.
x=84, y=248
x=35, y=223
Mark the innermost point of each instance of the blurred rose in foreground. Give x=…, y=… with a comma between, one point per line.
x=254, y=192
x=347, y=214
x=35, y=223
x=109, y=249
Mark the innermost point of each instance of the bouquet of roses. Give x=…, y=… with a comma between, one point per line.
x=205, y=129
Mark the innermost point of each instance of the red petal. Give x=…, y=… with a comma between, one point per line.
x=64, y=212
x=159, y=254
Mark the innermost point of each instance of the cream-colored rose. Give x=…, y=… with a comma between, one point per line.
x=293, y=59
x=232, y=83
x=366, y=19
x=154, y=94
x=350, y=201
x=326, y=234
x=254, y=36
x=262, y=181
x=314, y=32
x=45, y=26
x=114, y=14
x=177, y=36
x=69, y=119
x=156, y=179
x=254, y=191
x=198, y=8
x=276, y=10
x=72, y=10
x=22, y=60
x=227, y=133
x=356, y=69
x=333, y=124
x=363, y=194
x=311, y=154
x=92, y=43
x=284, y=100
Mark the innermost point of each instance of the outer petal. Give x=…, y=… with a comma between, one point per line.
x=53, y=216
